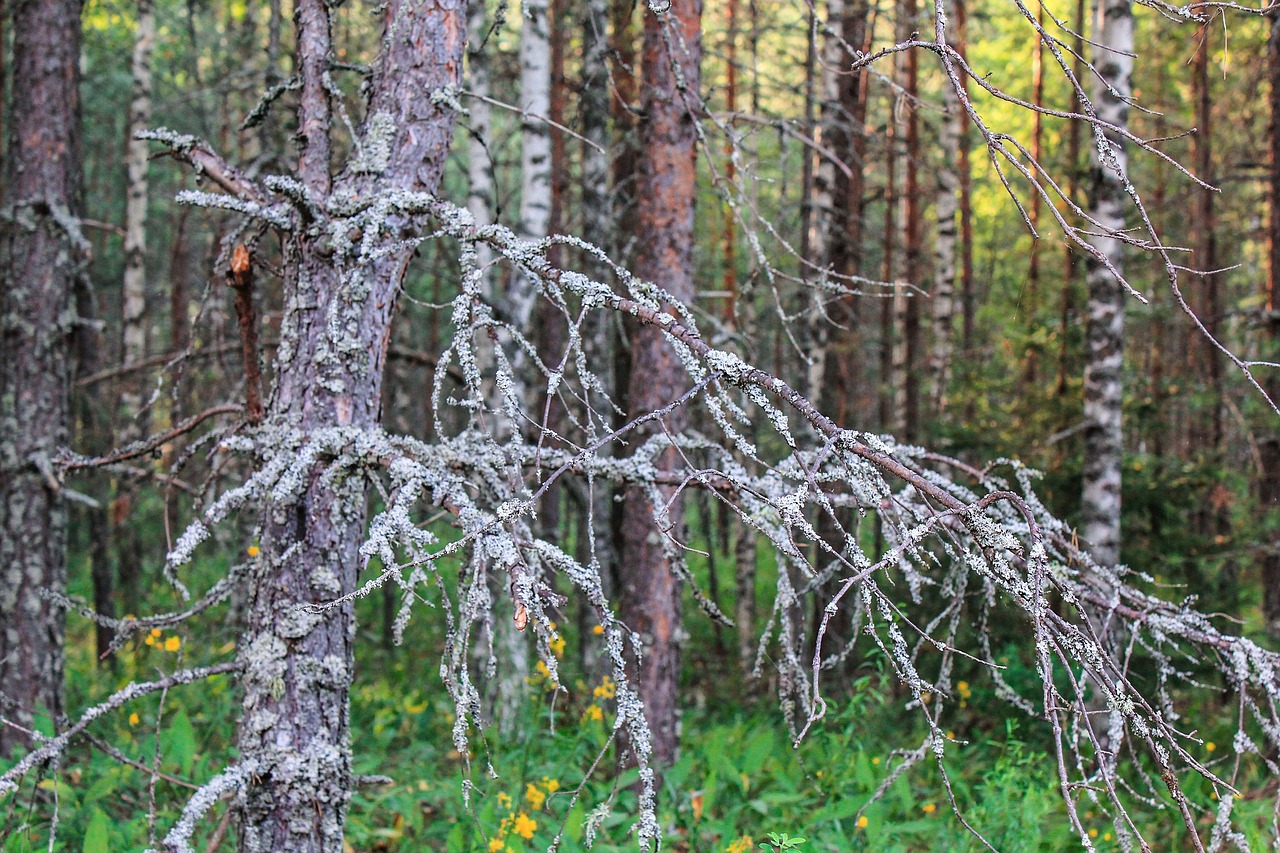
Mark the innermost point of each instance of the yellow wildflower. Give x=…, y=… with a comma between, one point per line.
x=928, y=808
x=254, y=550
x=963, y=688
x=504, y=799
x=550, y=785
x=155, y=632
x=862, y=822
x=134, y=719
x=593, y=712
x=524, y=826
x=1093, y=833
x=598, y=630
x=557, y=646
x=875, y=760
x=496, y=845
x=607, y=689
x=1210, y=746
x=151, y=641
x=172, y=644
x=740, y=845
x=535, y=796
x=1106, y=837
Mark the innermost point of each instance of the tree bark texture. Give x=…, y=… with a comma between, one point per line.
x=944, y=253
x=1104, y=333
x=1269, y=482
x=649, y=597
x=134, y=420
x=43, y=253
x=338, y=309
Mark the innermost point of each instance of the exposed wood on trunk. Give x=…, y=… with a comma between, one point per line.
x=649, y=597
x=43, y=253
x=295, y=728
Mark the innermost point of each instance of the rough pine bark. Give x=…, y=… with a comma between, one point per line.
x=294, y=728
x=43, y=252
x=649, y=597
x=1104, y=332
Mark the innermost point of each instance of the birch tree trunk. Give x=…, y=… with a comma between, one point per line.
x=135, y=217
x=134, y=420
x=1104, y=334
x=294, y=728
x=649, y=598
x=944, y=264
x=43, y=253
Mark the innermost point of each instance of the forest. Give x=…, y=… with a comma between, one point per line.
x=808, y=425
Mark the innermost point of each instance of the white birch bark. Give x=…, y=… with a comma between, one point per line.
x=135, y=218
x=1104, y=336
x=1104, y=342
x=944, y=254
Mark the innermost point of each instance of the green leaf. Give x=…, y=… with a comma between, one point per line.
x=103, y=787
x=97, y=838
x=182, y=742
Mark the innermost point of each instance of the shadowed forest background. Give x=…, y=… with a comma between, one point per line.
x=851, y=236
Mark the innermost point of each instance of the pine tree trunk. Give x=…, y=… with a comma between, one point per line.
x=43, y=253
x=1269, y=482
x=294, y=728
x=649, y=598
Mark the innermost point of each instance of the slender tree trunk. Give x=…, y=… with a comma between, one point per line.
x=1104, y=377
x=1071, y=257
x=944, y=265
x=968, y=296
x=906, y=381
x=729, y=275
x=600, y=335
x=649, y=598
x=1031, y=303
x=43, y=253
x=1209, y=305
x=626, y=150
x=1269, y=482
x=294, y=728
x=133, y=411
x=822, y=227
x=888, y=271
